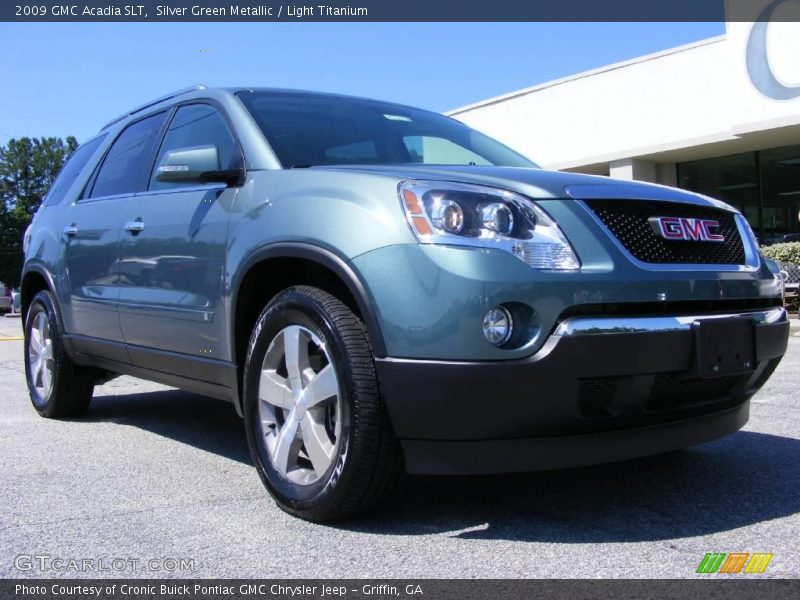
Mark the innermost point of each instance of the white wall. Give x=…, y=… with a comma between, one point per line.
x=682, y=98
x=616, y=113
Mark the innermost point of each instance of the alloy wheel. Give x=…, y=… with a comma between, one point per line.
x=299, y=405
x=40, y=354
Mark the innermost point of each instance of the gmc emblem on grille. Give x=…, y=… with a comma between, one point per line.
x=683, y=228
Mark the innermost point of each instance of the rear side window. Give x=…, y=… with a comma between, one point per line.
x=195, y=125
x=72, y=169
x=123, y=166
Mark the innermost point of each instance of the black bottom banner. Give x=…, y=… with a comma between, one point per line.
x=362, y=589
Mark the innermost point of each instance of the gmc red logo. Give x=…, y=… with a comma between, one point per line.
x=682, y=228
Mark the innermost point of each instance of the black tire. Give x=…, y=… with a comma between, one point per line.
x=368, y=464
x=71, y=385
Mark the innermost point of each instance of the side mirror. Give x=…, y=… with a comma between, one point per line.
x=199, y=164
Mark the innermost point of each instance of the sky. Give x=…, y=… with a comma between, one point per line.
x=70, y=79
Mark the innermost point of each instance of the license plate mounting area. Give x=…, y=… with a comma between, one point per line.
x=724, y=346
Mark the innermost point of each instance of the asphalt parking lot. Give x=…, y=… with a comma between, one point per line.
x=155, y=473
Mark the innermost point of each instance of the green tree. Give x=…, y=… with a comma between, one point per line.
x=28, y=167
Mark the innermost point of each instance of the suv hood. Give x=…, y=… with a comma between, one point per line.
x=540, y=184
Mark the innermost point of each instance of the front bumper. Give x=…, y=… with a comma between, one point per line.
x=599, y=390
x=429, y=301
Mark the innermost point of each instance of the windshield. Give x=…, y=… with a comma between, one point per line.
x=306, y=130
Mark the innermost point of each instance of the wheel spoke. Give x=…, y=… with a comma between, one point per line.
x=322, y=387
x=317, y=444
x=295, y=348
x=41, y=321
x=287, y=445
x=47, y=353
x=46, y=377
x=36, y=372
x=275, y=390
x=36, y=341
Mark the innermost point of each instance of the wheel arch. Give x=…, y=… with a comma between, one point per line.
x=277, y=266
x=35, y=278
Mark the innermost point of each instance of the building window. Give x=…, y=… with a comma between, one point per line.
x=780, y=174
x=764, y=185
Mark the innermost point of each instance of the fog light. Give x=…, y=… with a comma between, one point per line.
x=497, y=326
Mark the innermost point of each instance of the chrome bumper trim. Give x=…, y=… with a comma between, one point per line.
x=606, y=325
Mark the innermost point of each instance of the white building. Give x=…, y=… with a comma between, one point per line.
x=721, y=117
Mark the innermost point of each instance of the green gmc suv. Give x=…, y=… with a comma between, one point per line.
x=379, y=289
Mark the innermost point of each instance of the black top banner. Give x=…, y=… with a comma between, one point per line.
x=383, y=10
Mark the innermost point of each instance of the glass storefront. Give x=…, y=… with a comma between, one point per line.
x=764, y=185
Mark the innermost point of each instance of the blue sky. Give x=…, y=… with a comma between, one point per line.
x=61, y=79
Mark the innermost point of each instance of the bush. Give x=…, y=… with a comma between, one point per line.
x=788, y=252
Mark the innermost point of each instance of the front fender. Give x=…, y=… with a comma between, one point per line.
x=328, y=217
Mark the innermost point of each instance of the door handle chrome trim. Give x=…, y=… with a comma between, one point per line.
x=135, y=226
x=71, y=231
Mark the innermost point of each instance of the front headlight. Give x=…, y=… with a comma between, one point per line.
x=461, y=214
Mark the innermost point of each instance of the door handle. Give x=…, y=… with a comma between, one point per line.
x=135, y=226
x=71, y=231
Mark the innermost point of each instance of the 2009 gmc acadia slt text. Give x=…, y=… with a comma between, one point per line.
x=381, y=289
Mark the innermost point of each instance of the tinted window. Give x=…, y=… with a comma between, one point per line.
x=360, y=152
x=781, y=181
x=71, y=170
x=122, y=168
x=732, y=179
x=315, y=129
x=195, y=125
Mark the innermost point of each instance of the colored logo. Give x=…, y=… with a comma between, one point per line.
x=682, y=228
x=734, y=562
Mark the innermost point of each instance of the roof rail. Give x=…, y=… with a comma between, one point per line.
x=193, y=88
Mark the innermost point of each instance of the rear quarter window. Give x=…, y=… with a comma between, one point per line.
x=70, y=171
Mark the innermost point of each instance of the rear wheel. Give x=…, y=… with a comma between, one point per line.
x=57, y=386
x=318, y=432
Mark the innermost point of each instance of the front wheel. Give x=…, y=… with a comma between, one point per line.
x=317, y=428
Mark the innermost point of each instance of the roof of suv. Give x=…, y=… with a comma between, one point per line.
x=159, y=100
x=232, y=90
